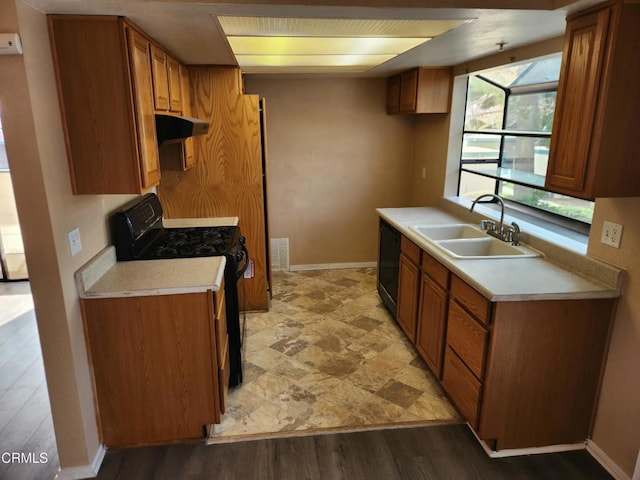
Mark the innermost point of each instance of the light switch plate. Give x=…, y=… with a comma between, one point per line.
x=611, y=234
x=75, y=245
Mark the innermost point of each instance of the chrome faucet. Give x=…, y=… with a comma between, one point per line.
x=508, y=234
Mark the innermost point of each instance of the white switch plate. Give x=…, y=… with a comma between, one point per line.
x=75, y=245
x=611, y=234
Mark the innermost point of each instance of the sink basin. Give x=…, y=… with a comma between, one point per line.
x=448, y=232
x=484, y=248
x=467, y=242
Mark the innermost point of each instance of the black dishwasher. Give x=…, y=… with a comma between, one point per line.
x=388, y=266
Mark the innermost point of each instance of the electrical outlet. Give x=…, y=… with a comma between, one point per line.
x=75, y=245
x=611, y=234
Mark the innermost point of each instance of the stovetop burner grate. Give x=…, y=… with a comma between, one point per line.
x=192, y=242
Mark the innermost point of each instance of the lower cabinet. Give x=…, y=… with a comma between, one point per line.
x=523, y=373
x=408, y=285
x=155, y=366
x=432, y=313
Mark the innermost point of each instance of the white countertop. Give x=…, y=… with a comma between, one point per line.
x=511, y=279
x=199, y=222
x=104, y=277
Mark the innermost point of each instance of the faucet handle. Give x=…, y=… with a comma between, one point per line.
x=488, y=225
x=513, y=234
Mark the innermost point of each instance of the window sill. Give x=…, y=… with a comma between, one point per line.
x=510, y=175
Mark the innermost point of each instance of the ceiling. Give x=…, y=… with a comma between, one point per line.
x=190, y=30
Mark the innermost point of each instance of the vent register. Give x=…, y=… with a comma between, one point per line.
x=280, y=254
x=314, y=45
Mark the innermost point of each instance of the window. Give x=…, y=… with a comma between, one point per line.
x=4, y=163
x=506, y=138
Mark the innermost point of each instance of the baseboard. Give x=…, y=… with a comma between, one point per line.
x=515, y=452
x=331, y=266
x=84, y=471
x=603, y=459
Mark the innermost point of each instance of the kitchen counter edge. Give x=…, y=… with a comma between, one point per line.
x=104, y=277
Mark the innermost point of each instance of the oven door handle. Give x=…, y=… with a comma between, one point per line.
x=245, y=254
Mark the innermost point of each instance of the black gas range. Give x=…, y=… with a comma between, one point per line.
x=138, y=234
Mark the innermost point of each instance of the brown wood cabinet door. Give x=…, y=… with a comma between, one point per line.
x=175, y=84
x=160, y=78
x=432, y=319
x=409, y=91
x=408, y=284
x=153, y=362
x=578, y=90
x=393, y=94
x=139, y=53
x=229, y=162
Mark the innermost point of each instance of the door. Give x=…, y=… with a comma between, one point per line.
x=13, y=264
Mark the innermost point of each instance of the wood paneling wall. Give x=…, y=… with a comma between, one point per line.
x=227, y=178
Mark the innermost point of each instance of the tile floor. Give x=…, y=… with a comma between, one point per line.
x=328, y=355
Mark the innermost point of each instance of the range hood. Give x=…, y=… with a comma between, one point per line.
x=173, y=128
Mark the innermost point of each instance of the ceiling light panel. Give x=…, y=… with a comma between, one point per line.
x=334, y=27
x=312, y=60
x=322, y=45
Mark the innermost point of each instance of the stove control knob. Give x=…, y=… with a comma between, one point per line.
x=237, y=256
x=242, y=240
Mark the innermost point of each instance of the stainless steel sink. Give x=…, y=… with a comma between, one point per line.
x=467, y=242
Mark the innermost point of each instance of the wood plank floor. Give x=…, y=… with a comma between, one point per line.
x=25, y=415
x=433, y=452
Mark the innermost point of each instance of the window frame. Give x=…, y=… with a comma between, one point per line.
x=537, y=214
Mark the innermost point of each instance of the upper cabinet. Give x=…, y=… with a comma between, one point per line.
x=174, y=74
x=420, y=90
x=112, y=79
x=167, y=90
x=139, y=48
x=160, y=78
x=595, y=146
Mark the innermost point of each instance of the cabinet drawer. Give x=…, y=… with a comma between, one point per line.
x=435, y=270
x=224, y=372
x=467, y=338
x=470, y=299
x=410, y=249
x=221, y=331
x=462, y=387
